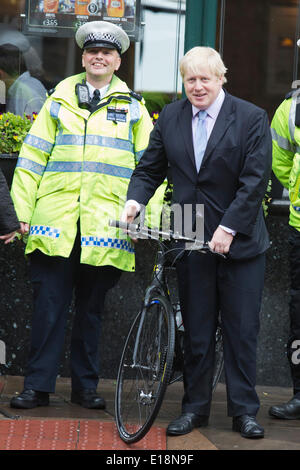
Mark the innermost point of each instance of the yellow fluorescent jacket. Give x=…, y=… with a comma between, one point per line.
x=286, y=154
x=77, y=165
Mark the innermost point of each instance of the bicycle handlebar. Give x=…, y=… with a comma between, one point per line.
x=137, y=231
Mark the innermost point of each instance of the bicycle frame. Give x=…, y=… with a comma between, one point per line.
x=150, y=369
x=158, y=285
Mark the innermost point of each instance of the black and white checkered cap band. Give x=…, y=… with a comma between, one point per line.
x=105, y=37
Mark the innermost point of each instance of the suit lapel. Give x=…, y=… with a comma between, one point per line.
x=185, y=125
x=225, y=118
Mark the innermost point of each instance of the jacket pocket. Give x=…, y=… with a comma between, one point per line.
x=51, y=183
x=119, y=189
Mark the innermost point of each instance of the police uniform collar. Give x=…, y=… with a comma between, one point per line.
x=102, y=90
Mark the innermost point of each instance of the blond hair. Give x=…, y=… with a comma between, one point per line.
x=199, y=57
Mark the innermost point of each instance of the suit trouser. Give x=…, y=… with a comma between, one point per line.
x=209, y=285
x=54, y=279
x=293, y=344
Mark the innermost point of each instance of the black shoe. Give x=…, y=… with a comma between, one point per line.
x=289, y=410
x=247, y=426
x=88, y=399
x=30, y=399
x=186, y=423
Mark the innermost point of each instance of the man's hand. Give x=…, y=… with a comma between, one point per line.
x=129, y=212
x=9, y=237
x=24, y=228
x=221, y=241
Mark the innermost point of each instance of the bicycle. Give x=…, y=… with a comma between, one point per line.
x=153, y=351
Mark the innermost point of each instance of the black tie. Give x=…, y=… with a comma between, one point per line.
x=95, y=100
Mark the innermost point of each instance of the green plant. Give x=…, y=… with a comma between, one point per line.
x=267, y=199
x=155, y=101
x=13, y=130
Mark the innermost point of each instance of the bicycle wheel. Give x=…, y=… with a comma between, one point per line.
x=219, y=359
x=145, y=369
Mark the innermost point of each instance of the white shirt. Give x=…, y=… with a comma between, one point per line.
x=102, y=90
x=26, y=95
x=210, y=120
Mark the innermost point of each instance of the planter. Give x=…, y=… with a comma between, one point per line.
x=8, y=163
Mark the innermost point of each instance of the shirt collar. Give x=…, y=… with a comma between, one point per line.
x=214, y=109
x=102, y=90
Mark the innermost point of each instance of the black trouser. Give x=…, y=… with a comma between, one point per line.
x=209, y=285
x=293, y=345
x=54, y=279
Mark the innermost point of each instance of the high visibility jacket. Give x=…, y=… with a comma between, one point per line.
x=286, y=153
x=76, y=165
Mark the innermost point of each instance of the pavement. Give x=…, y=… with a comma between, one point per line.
x=279, y=434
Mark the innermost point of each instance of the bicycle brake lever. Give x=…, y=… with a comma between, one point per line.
x=217, y=253
x=205, y=248
x=123, y=225
x=132, y=230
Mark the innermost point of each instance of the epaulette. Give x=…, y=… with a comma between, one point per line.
x=289, y=94
x=136, y=95
x=297, y=111
x=51, y=91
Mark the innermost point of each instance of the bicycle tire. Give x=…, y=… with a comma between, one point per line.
x=219, y=358
x=145, y=369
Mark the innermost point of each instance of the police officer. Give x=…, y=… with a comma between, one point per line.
x=285, y=129
x=73, y=169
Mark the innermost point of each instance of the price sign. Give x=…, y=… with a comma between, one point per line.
x=62, y=17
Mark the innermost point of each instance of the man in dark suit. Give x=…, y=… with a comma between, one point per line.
x=221, y=160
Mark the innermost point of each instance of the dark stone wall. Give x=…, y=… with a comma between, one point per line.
x=123, y=303
x=272, y=366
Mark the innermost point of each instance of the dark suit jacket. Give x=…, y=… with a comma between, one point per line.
x=233, y=177
x=8, y=217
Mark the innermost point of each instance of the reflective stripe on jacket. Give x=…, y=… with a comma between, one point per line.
x=77, y=165
x=286, y=153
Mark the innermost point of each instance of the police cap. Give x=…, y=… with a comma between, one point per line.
x=102, y=34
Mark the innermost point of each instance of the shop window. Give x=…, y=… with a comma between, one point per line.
x=259, y=49
x=259, y=42
x=157, y=53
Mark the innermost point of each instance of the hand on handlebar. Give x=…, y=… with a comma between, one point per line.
x=129, y=213
x=221, y=241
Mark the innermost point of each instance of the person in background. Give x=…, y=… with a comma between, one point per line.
x=20, y=70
